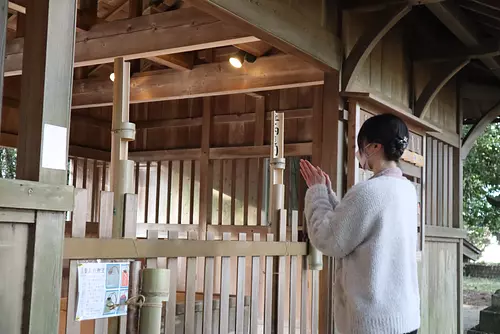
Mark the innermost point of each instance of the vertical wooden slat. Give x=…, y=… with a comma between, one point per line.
x=85, y=173
x=239, y=177
x=105, y=232
x=434, y=184
x=130, y=216
x=181, y=192
x=146, y=202
x=192, y=192
x=189, y=313
x=186, y=196
x=220, y=215
x=428, y=181
x=315, y=302
x=293, y=275
x=233, y=187
x=172, y=300
x=152, y=262
x=225, y=285
x=208, y=291
x=255, y=298
x=228, y=195
x=246, y=190
x=240, y=289
x=445, y=186
x=451, y=186
x=75, y=171
x=158, y=192
x=169, y=191
x=216, y=190
x=440, y=179
x=282, y=282
x=268, y=297
x=174, y=191
x=252, y=191
x=260, y=192
x=206, y=173
x=77, y=231
x=303, y=295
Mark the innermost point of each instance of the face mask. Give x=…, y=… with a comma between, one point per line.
x=363, y=159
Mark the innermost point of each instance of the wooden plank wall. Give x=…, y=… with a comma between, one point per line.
x=438, y=287
x=440, y=192
x=386, y=70
x=443, y=109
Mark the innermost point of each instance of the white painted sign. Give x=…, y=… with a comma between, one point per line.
x=102, y=290
x=54, y=150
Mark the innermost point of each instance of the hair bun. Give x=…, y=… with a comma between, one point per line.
x=398, y=147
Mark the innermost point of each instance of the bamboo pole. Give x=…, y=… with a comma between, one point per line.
x=276, y=204
x=121, y=169
x=155, y=289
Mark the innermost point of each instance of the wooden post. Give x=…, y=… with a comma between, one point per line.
x=205, y=167
x=3, y=39
x=121, y=169
x=276, y=203
x=43, y=150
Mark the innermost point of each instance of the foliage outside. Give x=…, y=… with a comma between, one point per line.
x=482, y=179
x=8, y=158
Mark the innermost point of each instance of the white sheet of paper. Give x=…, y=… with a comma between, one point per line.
x=54, y=150
x=102, y=290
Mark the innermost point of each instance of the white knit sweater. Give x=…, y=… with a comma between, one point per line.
x=372, y=233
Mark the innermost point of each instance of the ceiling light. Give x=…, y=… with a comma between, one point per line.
x=237, y=59
x=112, y=77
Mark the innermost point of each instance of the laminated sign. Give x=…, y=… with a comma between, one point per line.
x=102, y=290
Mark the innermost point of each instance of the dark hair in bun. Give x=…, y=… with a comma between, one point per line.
x=389, y=131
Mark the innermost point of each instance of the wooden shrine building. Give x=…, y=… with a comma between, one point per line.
x=138, y=139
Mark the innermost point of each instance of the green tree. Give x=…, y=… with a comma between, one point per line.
x=8, y=157
x=482, y=179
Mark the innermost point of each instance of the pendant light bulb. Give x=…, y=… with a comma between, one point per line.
x=112, y=77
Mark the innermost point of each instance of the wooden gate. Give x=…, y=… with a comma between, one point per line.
x=221, y=285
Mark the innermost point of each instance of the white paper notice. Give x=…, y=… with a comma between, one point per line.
x=54, y=150
x=102, y=290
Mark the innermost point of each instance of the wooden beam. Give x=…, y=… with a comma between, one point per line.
x=281, y=25
x=434, y=86
x=376, y=5
x=16, y=7
x=172, y=32
x=456, y=21
x=267, y=73
x=367, y=42
x=90, y=248
x=478, y=129
x=258, y=49
x=219, y=153
x=217, y=119
x=180, y=61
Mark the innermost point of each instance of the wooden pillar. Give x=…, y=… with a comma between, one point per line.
x=3, y=39
x=325, y=154
x=43, y=149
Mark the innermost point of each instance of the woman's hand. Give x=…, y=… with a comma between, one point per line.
x=312, y=175
x=328, y=182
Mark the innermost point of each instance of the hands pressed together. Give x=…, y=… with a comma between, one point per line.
x=314, y=175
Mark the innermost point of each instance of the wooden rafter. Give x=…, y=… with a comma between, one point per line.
x=280, y=25
x=434, y=86
x=115, y=10
x=375, y=5
x=478, y=129
x=267, y=73
x=181, y=61
x=258, y=49
x=455, y=20
x=367, y=42
x=177, y=31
